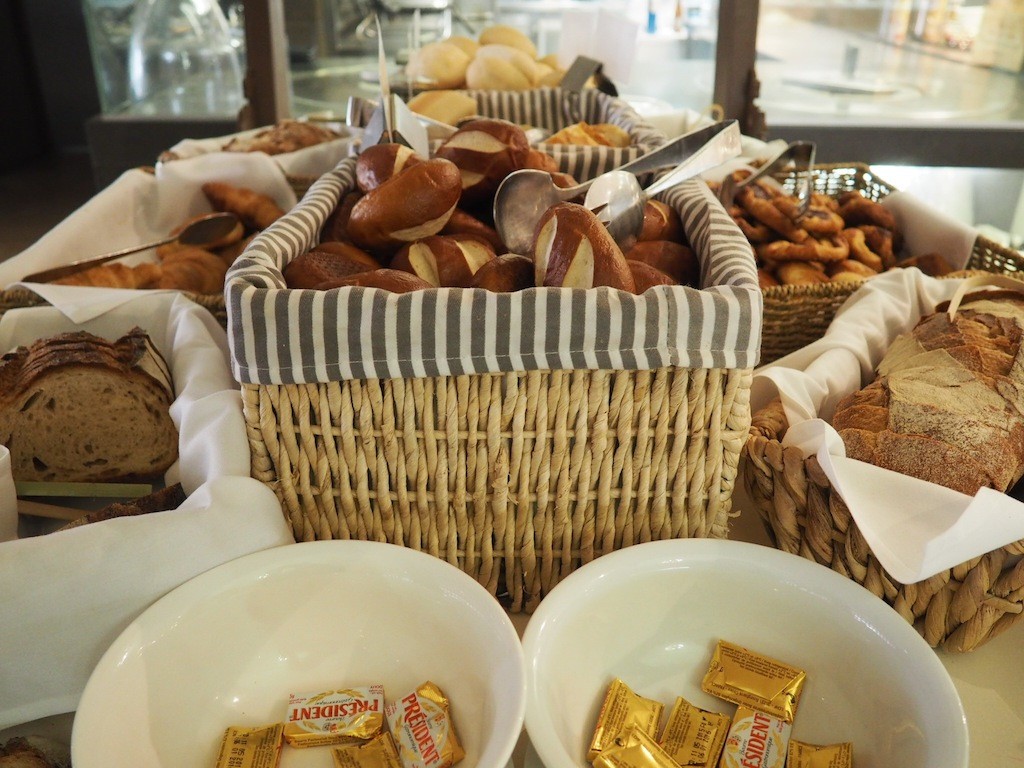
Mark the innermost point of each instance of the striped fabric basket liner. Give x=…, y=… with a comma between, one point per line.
x=516, y=436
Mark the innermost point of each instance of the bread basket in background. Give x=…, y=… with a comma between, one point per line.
x=796, y=315
x=515, y=435
x=959, y=607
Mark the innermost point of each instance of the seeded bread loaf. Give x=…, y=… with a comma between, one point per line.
x=948, y=403
x=78, y=408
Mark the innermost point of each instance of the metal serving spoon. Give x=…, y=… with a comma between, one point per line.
x=201, y=232
x=524, y=196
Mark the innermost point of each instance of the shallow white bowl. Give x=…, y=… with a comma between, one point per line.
x=651, y=615
x=228, y=647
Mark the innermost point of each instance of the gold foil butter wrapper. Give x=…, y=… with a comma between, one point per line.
x=634, y=748
x=753, y=680
x=802, y=755
x=334, y=717
x=623, y=709
x=244, y=747
x=755, y=740
x=694, y=736
x=424, y=732
x=378, y=752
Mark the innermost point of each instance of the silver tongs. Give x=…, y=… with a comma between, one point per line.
x=800, y=154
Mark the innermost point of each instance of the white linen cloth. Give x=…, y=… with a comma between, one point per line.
x=140, y=207
x=915, y=529
x=64, y=597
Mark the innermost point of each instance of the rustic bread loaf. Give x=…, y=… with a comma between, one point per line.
x=948, y=403
x=75, y=407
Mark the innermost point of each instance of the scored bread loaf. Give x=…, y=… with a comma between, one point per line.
x=78, y=408
x=948, y=403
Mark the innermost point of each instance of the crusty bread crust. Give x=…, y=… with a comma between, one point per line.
x=948, y=404
x=77, y=408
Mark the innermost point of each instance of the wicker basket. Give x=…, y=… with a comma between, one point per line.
x=796, y=315
x=16, y=298
x=517, y=476
x=959, y=609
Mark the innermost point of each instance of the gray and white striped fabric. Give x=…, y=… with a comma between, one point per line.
x=284, y=336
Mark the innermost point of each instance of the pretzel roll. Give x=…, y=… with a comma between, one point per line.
x=541, y=161
x=439, y=64
x=325, y=262
x=504, y=274
x=379, y=162
x=443, y=261
x=466, y=224
x=661, y=222
x=336, y=225
x=412, y=205
x=486, y=150
x=645, y=276
x=674, y=259
x=573, y=249
x=501, y=68
x=503, y=34
x=393, y=280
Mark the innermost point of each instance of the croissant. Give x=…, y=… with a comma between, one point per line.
x=187, y=269
x=256, y=210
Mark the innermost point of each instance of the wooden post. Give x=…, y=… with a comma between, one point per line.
x=736, y=83
x=266, y=72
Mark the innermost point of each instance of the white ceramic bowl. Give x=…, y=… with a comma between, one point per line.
x=652, y=613
x=227, y=648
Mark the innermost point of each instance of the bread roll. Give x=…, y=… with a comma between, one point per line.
x=661, y=222
x=467, y=225
x=468, y=45
x=438, y=65
x=443, y=261
x=409, y=206
x=449, y=107
x=503, y=34
x=504, y=274
x=78, y=408
x=573, y=249
x=327, y=261
x=501, y=68
x=486, y=150
x=256, y=210
x=674, y=259
x=948, y=403
x=379, y=162
x=393, y=280
x=645, y=276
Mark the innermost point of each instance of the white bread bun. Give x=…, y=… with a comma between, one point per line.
x=438, y=65
x=502, y=34
x=446, y=106
x=501, y=68
x=466, y=44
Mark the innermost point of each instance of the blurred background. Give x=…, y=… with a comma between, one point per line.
x=929, y=92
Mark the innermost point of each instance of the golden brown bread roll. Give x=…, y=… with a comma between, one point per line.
x=503, y=34
x=661, y=222
x=439, y=64
x=464, y=223
x=409, y=206
x=498, y=67
x=445, y=106
x=393, y=280
x=504, y=274
x=573, y=249
x=115, y=275
x=645, y=276
x=676, y=260
x=947, y=405
x=325, y=262
x=486, y=150
x=379, y=162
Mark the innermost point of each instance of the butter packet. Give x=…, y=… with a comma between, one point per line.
x=802, y=755
x=634, y=748
x=334, y=717
x=378, y=752
x=693, y=736
x=755, y=740
x=753, y=680
x=424, y=732
x=244, y=747
x=621, y=710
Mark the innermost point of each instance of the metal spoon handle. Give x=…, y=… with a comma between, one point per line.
x=722, y=144
x=48, y=275
x=800, y=153
x=679, y=149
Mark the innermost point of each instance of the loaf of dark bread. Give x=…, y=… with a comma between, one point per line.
x=78, y=408
x=948, y=403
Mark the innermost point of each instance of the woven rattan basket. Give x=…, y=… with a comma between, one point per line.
x=959, y=609
x=515, y=473
x=796, y=315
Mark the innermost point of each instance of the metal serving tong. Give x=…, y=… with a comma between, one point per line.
x=524, y=196
x=800, y=154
